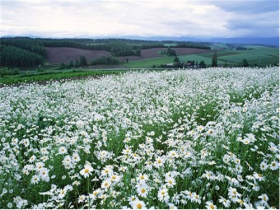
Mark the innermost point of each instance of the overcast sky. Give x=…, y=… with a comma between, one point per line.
x=88, y=18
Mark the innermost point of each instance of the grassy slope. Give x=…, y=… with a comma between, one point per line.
x=149, y=62
x=46, y=76
x=268, y=55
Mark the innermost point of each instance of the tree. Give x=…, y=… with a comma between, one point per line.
x=171, y=52
x=215, y=59
x=126, y=60
x=138, y=52
x=176, y=60
x=245, y=63
x=71, y=64
x=62, y=66
x=225, y=64
x=77, y=64
x=83, y=61
x=202, y=64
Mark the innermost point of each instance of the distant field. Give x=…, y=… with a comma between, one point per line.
x=170, y=44
x=259, y=55
x=154, y=53
x=58, y=55
x=264, y=55
x=148, y=63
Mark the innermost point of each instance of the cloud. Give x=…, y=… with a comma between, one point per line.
x=206, y=18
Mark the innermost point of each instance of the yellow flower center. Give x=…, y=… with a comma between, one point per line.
x=212, y=206
x=139, y=206
x=86, y=171
x=143, y=190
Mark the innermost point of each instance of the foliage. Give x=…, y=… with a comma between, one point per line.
x=171, y=52
x=83, y=61
x=176, y=59
x=215, y=59
x=245, y=63
x=202, y=64
x=14, y=56
x=31, y=45
x=105, y=60
x=8, y=71
x=47, y=76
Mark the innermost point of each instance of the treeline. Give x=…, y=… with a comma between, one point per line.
x=22, y=52
x=62, y=43
x=8, y=71
x=169, y=52
x=181, y=64
x=103, y=60
x=192, y=45
x=31, y=45
x=17, y=57
x=28, y=52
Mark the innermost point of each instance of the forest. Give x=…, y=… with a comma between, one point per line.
x=31, y=52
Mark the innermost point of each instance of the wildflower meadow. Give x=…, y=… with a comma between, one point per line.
x=172, y=139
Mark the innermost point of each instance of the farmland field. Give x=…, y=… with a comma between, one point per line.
x=148, y=63
x=58, y=55
x=171, y=139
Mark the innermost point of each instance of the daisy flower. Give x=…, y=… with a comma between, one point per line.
x=274, y=165
x=170, y=181
x=210, y=205
x=225, y=202
x=143, y=190
x=163, y=195
x=86, y=171
x=142, y=178
x=137, y=204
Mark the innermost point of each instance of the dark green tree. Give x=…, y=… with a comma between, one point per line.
x=245, y=63
x=202, y=64
x=215, y=59
x=171, y=52
x=77, y=63
x=138, y=52
x=176, y=59
x=71, y=64
x=225, y=64
x=83, y=61
x=62, y=66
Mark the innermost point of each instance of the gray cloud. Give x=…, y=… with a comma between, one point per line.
x=208, y=18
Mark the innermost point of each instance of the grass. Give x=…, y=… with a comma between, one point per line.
x=148, y=63
x=50, y=75
x=267, y=55
x=170, y=44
